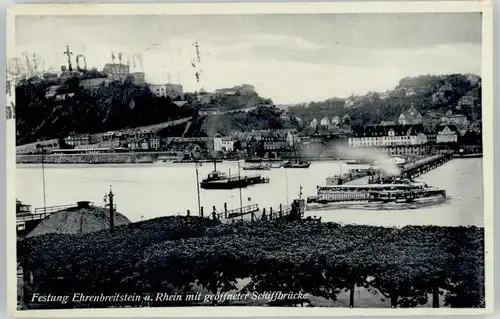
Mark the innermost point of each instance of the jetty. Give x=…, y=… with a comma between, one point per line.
x=409, y=170
x=424, y=165
x=294, y=211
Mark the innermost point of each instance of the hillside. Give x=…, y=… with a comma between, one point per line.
x=264, y=117
x=71, y=108
x=238, y=101
x=459, y=93
x=93, y=110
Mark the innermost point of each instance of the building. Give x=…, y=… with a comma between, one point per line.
x=387, y=123
x=458, y=120
x=335, y=120
x=171, y=90
x=388, y=135
x=410, y=117
x=228, y=91
x=325, y=122
x=117, y=71
x=206, y=97
x=475, y=126
x=384, y=95
x=446, y=134
x=94, y=82
x=223, y=143
x=314, y=124
x=410, y=92
x=138, y=78
x=466, y=101
x=291, y=138
x=247, y=89
x=395, y=139
x=77, y=140
x=274, y=143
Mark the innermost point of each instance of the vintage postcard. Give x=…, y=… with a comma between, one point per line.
x=266, y=159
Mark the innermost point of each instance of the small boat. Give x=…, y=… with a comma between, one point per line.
x=259, y=160
x=257, y=167
x=195, y=161
x=297, y=164
x=277, y=165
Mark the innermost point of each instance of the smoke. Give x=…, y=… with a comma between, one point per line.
x=383, y=161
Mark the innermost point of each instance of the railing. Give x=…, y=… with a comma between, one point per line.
x=422, y=162
x=242, y=211
x=242, y=177
x=25, y=218
x=281, y=212
x=52, y=209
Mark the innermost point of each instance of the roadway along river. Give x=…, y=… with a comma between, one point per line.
x=144, y=191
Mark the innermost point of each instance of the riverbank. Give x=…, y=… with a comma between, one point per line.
x=142, y=158
x=124, y=158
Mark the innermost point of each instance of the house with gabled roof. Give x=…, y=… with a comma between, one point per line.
x=410, y=117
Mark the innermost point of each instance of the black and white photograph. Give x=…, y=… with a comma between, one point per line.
x=324, y=158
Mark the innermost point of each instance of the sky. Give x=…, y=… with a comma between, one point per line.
x=290, y=58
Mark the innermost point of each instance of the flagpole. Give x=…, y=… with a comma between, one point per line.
x=241, y=199
x=286, y=185
x=198, y=188
x=43, y=182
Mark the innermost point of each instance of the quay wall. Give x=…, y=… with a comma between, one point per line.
x=112, y=158
x=109, y=158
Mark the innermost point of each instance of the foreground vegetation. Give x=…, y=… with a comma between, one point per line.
x=180, y=254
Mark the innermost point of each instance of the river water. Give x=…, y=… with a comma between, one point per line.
x=144, y=191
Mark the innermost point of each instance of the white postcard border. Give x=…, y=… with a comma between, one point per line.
x=263, y=8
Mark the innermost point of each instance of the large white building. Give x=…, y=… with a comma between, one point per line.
x=446, y=134
x=223, y=143
x=387, y=135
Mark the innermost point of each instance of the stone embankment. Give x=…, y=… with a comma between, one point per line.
x=103, y=158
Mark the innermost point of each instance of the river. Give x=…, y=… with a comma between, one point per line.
x=144, y=191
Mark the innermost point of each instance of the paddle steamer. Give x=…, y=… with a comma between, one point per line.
x=399, y=194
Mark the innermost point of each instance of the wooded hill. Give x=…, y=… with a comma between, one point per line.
x=428, y=93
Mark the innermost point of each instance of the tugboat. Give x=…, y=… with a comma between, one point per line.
x=219, y=180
